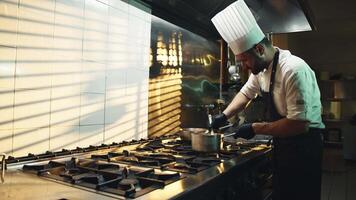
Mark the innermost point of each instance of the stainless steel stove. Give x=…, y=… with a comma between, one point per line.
x=135, y=169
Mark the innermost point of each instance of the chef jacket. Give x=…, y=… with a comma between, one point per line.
x=296, y=93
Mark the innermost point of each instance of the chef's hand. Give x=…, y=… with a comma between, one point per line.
x=245, y=131
x=218, y=121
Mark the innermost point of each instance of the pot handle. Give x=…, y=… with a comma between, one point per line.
x=225, y=127
x=210, y=118
x=210, y=128
x=227, y=135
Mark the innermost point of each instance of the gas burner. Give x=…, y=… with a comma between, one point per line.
x=90, y=177
x=145, y=166
x=128, y=182
x=184, y=167
x=124, y=180
x=150, y=146
x=207, y=160
x=141, y=160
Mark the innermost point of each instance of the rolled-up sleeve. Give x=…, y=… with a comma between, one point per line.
x=298, y=95
x=251, y=87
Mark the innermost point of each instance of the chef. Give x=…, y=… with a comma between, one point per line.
x=292, y=98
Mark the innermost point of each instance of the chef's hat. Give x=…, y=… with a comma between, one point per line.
x=238, y=27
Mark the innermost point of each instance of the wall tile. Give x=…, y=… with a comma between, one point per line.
x=115, y=78
x=35, y=140
x=119, y=5
x=93, y=77
x=140, y=37
x=32, y=108
x=8, y=30
x=65, y=109
x=95, y=31
x=115, y=108
x=64, y=137
x=118, y=36
x=65, y=95
x=68, y=30
x=34, y=44
x=92, y=109
x=65, y=90
x=6, y=108
x=120, y=131
x=32, y=74
x=112, y=134
x=7, y=67
x=7, y=70
x=36, y=19
x=103, y=1
x=70, y=13
x=65, y=75
x=34, y=61
x=136, y=81
x=39, y=6
x=6, y=141
x=91, y=135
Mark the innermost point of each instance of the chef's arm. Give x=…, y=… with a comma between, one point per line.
x=238, y=103
x=281, y=128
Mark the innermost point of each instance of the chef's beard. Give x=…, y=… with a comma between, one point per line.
x=259, y=67
x=255, y=72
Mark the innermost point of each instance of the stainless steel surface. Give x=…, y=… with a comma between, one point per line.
x=206, y=142
x=34, y=187
x=186, y=133
x=209, y=141
x=177, y=190
x=283, y=16
x=195, y=130
x=22, y=186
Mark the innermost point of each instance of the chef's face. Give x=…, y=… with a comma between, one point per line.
x=252, y=60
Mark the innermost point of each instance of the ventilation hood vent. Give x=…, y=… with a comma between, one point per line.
x=273, y=16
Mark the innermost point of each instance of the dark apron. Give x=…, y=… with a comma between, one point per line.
x=296, y=159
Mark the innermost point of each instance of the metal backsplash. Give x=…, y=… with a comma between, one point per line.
x=184, y=76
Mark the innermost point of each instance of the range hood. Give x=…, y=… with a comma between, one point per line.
x=273, y=16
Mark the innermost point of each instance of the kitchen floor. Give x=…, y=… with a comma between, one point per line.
x=339, y=176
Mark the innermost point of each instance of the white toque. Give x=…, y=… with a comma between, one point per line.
x=238, y=27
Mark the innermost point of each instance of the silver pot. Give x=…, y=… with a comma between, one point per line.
x=206, y=142
x=186, y=133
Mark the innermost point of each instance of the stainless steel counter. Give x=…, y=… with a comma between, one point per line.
x=20, y=185
x=179, y=189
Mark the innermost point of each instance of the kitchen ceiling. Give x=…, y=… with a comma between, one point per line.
x=286, y=15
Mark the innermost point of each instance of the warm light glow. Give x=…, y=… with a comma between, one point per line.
x=180, y=54
x=162, y=56
x=164, y=103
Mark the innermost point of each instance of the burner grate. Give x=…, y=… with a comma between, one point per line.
x=124, y=180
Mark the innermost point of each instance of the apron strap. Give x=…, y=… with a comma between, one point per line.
x=271, y=113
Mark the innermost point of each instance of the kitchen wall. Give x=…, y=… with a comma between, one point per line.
x=72, y=73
